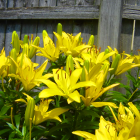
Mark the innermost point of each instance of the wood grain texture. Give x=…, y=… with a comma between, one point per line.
x=10, y=3
x=49, y=27
x=29, y=27
x=85, y=2
x=11, y=26
x=131, y=12
x=65, y=2
x=2, y=34
x=3, y=4
x=76, y=12
x=32, y=3
x=19, y=3
x=47, y=3
x=109, y=23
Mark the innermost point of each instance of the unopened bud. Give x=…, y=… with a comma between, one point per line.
x=29, y=113
x=69, y=65
x=115, y=64
x=91, y=40
x=33, y=49
x=12, y=67
x=59, y=29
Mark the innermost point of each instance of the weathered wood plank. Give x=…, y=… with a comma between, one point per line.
x=49, y=27
x=10, y=3
x=131, y=12
x=45, y=3
x=3, y=4
x=2, y=34
x=19, y=3
x=11, y=26
x=29, y=27
x=76, y=12
x=32, y=3
x=85, y=2
x=97, y=2
x=109, y=23
x=65, y=2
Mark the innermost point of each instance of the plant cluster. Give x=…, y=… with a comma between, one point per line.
x=72, y=99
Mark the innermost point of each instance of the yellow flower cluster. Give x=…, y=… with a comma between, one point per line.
x=126, y=127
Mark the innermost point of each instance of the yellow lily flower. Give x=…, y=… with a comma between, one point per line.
x=70, y=45
x=94, y=56
x=126, y=127
x=49, y=51
x=137, y=58
x=97, y=74
x=65, y=85
x=125, y=118
x=125, y=64
x=42, y=114
x=136, y=127
x=3, y=63
x=28, y=75
x=106, y=131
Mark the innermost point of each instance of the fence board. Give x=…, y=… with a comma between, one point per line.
x=76, y=12
x=44, y=3
x=11, y=26
x=19, y=3
x=109, y=23
x=2, y=34
x=3, y=4
x=49, y=27
x=85, y=2
x=32, y=3
x=65, y=2
x=10, y=4
x=29, y=27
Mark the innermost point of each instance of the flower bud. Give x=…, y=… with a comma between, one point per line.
x=15, y=42
x=12, y=67
x=33, y=49
x=59, y=29
x=29, y=113
x=69, y=65
x=85, y=70
x=106, y=52
x=91, y=40
x=44, y=34
x=25, y=40
x=115, y=64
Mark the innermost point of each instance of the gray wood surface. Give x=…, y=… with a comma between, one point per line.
x=3, y=4
x=32, y=3
x=45, y=3
x=65, y=2
x=10, y=3
x=2, y=34
x=19, y=3
x=109, y=23
x=29, y=27
x=65, y=12
x=11, y=26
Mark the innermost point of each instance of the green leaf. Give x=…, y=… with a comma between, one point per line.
x=4, y=131
x=14, y=128
x=11, y=136
x=67, y=136
x=2, y=94
x=90, y=112
x=4, y=109
x=17, y=120
x=24, y=129
x=60, y=126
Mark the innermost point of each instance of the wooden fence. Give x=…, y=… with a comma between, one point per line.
x=110, y=21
